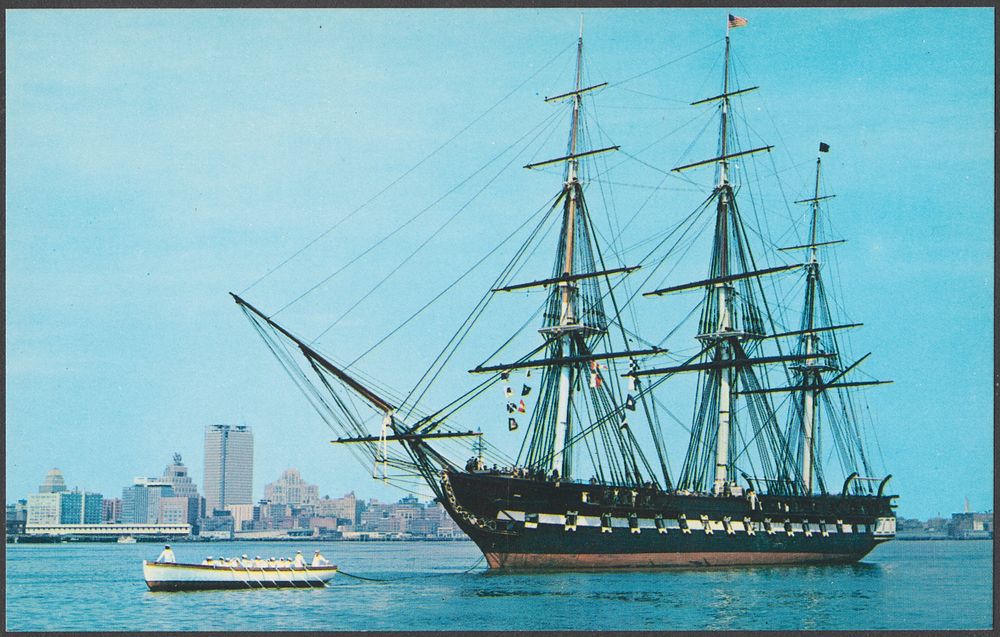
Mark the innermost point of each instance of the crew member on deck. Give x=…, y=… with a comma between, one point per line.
x=299, y=561
x=166, y=556
x=319, y=560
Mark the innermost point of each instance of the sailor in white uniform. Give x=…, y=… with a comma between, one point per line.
x=299, y=561
x=319, y=560
x=166, y=556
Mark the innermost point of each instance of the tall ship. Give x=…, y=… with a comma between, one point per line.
x=776, y=469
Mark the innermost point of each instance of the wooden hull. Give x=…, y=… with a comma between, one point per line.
x=192, y=577
x=625, y=560
x=535, y=525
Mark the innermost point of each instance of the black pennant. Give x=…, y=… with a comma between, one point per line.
x=504, y=375
x=525, y=390
x=511, y=408
x=630, y=403
x=511, y=424
x=824, y=147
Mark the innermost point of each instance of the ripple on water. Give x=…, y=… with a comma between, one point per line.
x=902, y=585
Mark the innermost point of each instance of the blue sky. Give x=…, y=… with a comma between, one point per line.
x=158, y=159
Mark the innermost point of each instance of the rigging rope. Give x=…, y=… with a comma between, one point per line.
x=408, y=171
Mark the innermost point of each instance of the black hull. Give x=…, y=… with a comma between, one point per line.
x=229, y=585
x=530, y=524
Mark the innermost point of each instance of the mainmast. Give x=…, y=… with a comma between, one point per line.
x=723, y=288
x=723, y=328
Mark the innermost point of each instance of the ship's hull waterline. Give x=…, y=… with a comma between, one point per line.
x=535, y=525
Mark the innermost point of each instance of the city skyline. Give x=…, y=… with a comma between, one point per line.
x=158, y=160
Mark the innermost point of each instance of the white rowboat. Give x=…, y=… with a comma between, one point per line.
x=187, y=577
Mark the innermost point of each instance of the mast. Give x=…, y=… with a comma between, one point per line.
x=566, y=314
x=811, y=339
x=723, y=288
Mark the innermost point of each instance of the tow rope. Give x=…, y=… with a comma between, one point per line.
x=397, y=579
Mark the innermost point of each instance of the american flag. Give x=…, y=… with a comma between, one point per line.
x=736, y=21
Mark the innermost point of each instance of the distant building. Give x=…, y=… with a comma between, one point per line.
x=219, y=525
x=65, y=507
x=290, y=488
x=409, y=517
x=228, y=466
x=110, y=530
x=54, y=504
x=967, y=526
x=177, y=476
x=345, y=508
x=53, y=482
x=241, y=513
x=43, y=508
x=141, y=501
x=111, y=510
x=80, y=507
x=178, y=509
x=17, y=512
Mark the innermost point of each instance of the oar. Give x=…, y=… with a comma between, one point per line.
x=325, y=585
x=247, y=569
x=234, y=573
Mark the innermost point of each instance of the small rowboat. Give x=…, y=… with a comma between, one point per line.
x=189, y=577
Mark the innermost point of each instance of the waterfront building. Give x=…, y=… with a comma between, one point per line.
x=178, y=509
x=43, y=508
x=290, y=488
x=110, y=530
x=220, y=525
x=111, y=510
x=80, y=507
x=63, y=507
x=408, y=516
x=17, y=512
x=53, y=482
x=345, y=508
x=141, y=501
x=969, y=525
x=228, y=466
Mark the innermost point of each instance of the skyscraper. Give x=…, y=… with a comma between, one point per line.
x=192, y=506
x=177, y=475
x=228, y=466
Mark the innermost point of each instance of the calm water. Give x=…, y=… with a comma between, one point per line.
x=901, y=585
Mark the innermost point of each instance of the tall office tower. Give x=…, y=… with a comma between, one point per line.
x=177, y=475
x=53, y=482
x=228, y=466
